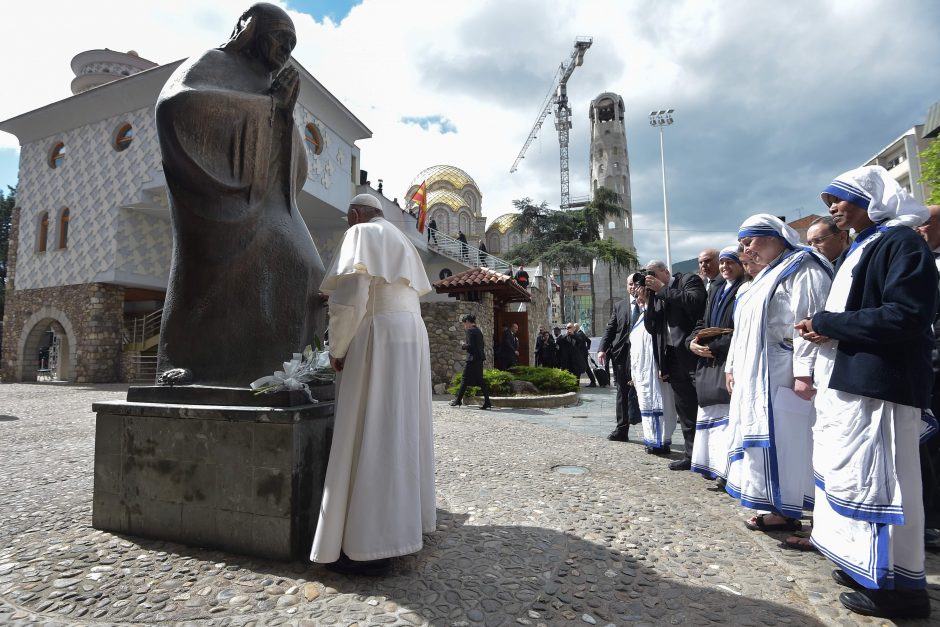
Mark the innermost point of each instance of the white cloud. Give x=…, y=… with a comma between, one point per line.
x=772, y=99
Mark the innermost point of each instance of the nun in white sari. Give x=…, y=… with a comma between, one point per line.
x=874, y=377
x=769, y=369
x=657, y=404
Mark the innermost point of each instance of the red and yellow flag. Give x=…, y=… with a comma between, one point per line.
x=420, y=197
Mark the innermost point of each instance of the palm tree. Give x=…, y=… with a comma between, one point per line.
x=614, y=255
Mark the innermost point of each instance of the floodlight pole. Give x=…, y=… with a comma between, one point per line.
x=662, y=119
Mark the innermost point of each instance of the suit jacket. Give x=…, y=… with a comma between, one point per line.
x=885, y=332
x=508, y=348
x=616, y=340
x=670, y=318
x=476, y=355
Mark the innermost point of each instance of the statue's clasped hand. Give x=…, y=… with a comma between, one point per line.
x=286, y=88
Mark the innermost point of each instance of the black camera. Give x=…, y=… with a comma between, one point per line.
x=639, y=277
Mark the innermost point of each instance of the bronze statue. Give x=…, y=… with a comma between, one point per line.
x=242, y=294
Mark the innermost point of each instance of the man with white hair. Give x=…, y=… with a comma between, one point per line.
x=677, y=302
x=873, y=377
x=378, y=497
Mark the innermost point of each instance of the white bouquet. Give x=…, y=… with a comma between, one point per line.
x=311, y=365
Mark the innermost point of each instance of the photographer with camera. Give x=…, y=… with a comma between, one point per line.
x=615, y=349
x=677, y=302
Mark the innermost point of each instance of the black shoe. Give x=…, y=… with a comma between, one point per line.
x=721, y=483
x=369, y=568
x=888, y=603
x=616, y=437
x=486, y=405
x=592, y=385
x=661, y=450
x=843, y=579
x=455, y=403
x=681, y=464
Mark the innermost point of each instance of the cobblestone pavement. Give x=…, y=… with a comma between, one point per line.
x=517, y=542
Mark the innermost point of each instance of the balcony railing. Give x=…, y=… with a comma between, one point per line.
x=466, y=254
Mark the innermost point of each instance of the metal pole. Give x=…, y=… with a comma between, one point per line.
x=662, y=155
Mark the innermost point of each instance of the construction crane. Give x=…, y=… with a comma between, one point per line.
x=558, y=96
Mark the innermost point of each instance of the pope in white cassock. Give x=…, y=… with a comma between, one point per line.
x=378, y=497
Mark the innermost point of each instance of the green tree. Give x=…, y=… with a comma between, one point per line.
x=7, y=201
x=615, y=256
x=930, y=171
x=605, y=205
x=557, y=238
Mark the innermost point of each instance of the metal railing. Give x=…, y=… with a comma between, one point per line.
x=144, y=368
x=465, y=253
x=143, y=332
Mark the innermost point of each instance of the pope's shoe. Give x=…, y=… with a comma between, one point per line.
x=902, y=603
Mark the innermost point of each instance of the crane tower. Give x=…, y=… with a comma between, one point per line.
x=558, y=97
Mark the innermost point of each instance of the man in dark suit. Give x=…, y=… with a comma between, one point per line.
x=676, y=304
x=473, y=367
x=708, y=270
x=509, y=347
x=615, y=348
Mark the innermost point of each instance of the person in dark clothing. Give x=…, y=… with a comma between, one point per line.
x=677, y=302
x=930, y=449
x=473, y=367
x=483, y=253
x=583, y=345
x=463, y=245
x=546, y=353
x=574, y=359
x=432, y=231
x=508, y=349
x=615, y=349
x=710, y=450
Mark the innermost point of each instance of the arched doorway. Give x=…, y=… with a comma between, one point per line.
x=47, y=345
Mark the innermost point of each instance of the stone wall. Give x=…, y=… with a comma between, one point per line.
x=538, y=311
x=92, y=317
x=445, y=333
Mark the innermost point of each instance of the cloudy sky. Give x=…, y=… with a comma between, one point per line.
x=772, y=99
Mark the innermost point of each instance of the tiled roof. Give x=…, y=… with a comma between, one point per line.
x=484, y=280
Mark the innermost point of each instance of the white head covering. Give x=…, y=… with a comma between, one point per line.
x=366, y=200
x=730, y=252
x=766, y=225
x=873, y=189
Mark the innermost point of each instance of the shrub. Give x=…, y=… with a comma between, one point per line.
x=498, y=380
x=547, y=380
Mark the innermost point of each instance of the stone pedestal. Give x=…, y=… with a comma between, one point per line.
x=247, y=480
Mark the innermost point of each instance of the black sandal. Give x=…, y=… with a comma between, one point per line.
x=788, y=524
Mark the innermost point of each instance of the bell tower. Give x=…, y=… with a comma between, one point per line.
x=610, y=168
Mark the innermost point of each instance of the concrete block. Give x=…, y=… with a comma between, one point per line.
x=108, y=473
x=230, y=440
x=235, y=488
x=198, y=525
x=234, y=531
x=108, y=512
x=138, y=437
x=270, y=537
x=273, y=445
x=154, y=519
x=188, y=439
x=272, y=492
x=109, y=434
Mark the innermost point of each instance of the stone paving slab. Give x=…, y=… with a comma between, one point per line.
x=627, y=542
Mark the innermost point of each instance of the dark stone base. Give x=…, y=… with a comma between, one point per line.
x=214, y=395
x=242, y=479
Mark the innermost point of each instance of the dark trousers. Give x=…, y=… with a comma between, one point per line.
x=483, y=386
x=590, y=373
x=683, y=386
x=628, y=404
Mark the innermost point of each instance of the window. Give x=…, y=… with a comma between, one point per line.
x=43, y=232
x=123, y=137
x=57, y=155
x=313, y=137
x=64, y=228
x=611, y=225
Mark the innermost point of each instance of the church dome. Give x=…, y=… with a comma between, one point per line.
x=442, y=196
x=443, y=176
x=503, y=223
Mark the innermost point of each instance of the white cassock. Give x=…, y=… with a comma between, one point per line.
x=657, y=404
x=770, y=427
x=378, y=497
x=869, y=517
